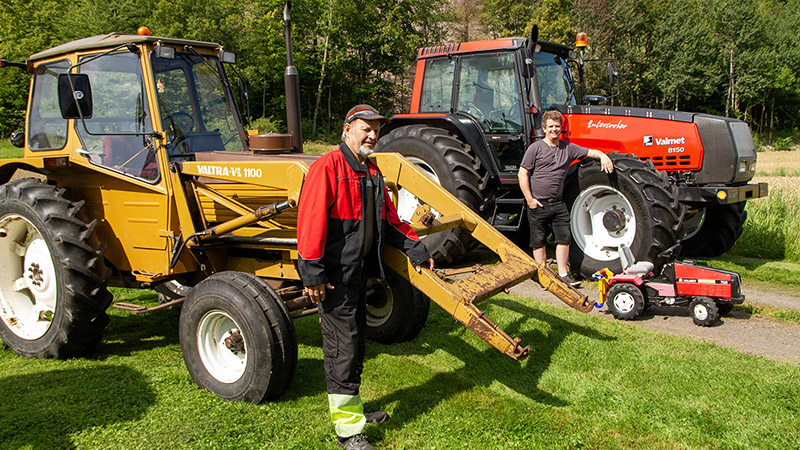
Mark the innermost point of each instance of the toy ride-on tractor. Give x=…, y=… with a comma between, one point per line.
x=710, y=293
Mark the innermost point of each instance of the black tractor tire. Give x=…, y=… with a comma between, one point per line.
x=720, y=227
x=53, y=292
x=450, y=163
x=396, y=311
x=625, y=301
x=635, y=205
x=237, y=338
x=704, y=311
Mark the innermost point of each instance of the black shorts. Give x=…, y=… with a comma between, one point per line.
x=553, y=214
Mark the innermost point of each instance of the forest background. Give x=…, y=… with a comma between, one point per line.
x=724, y=57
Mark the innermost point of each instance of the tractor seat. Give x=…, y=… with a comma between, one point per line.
x=629, y=264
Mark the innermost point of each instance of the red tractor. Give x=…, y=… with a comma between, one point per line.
x=476, y=106
x=710, y=293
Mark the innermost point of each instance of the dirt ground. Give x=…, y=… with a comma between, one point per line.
x=763, y=336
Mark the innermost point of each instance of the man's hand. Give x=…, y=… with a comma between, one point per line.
x=605, y=164
x=317, y=292
x=428, y=262
x=534, y=203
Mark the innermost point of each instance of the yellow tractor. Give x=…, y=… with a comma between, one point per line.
x=144, y=176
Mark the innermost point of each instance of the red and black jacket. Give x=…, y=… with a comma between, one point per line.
x=330, y=232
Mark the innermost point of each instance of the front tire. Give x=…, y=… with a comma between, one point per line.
x=53, y=277
x=448, y=162
x=634, y=205
x=237, y=338
x=704, y=311
x=396, y=311
x=716, y=231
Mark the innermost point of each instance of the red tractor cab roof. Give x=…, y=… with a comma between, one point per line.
x=511, y=43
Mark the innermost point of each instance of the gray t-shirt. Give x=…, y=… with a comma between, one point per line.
x=548, y=166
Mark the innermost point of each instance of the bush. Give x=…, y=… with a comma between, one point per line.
x=266, y=125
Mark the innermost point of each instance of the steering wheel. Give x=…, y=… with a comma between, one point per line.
x=181, y=123
x=474, y=111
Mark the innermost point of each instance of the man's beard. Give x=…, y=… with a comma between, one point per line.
x=364, y=151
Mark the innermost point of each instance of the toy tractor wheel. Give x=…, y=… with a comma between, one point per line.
x=448, y=162
x=724, y=308
x=237, y=338
x=396, y=311
x=704, y=311
x=625, y=301
x=53, y=277
x=634, y=205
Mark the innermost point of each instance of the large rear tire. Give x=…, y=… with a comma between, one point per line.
x=237, y=338
x=634, y=205
x=53, y=277
x=716, y=230
x=396, y=311
x=450, y=163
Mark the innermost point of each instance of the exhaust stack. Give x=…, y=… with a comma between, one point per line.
x=291, y=85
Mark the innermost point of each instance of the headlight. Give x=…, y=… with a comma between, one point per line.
x=742, y=166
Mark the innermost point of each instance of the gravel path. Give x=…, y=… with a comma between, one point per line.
x=763, y=336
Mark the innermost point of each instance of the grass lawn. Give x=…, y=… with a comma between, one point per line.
x=588, y=383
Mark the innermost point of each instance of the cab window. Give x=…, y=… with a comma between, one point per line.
x=115, y=135
x=488, y=91
x=437, y=88
x=47, y=130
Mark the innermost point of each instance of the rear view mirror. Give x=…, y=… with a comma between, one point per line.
x=612, y=74
x=75, y=96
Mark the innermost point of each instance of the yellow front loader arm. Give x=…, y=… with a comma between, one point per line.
x=459, y=296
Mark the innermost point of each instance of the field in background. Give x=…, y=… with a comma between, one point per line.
x=772, y=229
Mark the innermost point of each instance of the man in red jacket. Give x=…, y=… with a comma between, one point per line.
x=345, y=216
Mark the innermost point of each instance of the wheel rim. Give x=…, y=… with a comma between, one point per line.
x=700, y=311
x=600, y=220
x=380, y=302
x=407, y=203
x=28, y=281
x=624, y=302
x=222, y=346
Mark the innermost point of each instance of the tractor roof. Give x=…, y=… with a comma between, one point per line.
x=107, y=41
x=510, y=43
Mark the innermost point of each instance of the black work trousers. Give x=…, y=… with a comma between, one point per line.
x=343, y=320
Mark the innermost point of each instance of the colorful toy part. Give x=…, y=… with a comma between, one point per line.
x=602, y=276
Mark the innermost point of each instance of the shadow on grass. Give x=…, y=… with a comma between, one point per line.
x=128, y=333
x=42, y=410
x=484, y=367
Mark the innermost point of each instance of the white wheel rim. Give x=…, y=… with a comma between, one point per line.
x=586, y=222
x=624, y=302
x=407, y=203
x=701, y=312
x=225, y=364
x=28, y=282
x=378, y=315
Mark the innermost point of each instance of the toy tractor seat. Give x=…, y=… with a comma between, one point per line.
x=629, y=264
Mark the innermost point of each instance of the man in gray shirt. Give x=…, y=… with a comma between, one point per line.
x=541, y=177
